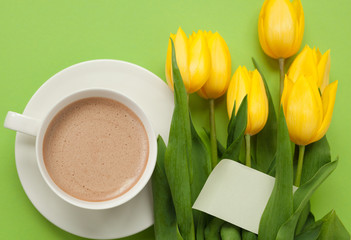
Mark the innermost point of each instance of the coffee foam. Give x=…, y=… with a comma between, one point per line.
x=95, y=149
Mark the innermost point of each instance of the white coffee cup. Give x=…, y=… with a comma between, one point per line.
x=38, y=127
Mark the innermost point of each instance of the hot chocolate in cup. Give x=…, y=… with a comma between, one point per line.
x=95, y=149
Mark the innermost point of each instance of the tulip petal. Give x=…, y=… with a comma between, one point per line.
x=181, y=48
x=192, y=37
x=200, y=63
x=303, y=112
x=210, y=37
x=202, y=93
x=261, y=32
x=244, y=86
x=237, y=89
x=288, y=85
x=257, y=105
x=231, y=93
x=300, y=26
x=280, y=27
x=219, y=76
x=328, y=98
x=230, y=98
x=316, y=92
x=323, y=70
x=168, y=69
x=317, y=54
x=295, y=45
x=304, y=64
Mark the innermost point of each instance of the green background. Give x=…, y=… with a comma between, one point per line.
x=38, y=38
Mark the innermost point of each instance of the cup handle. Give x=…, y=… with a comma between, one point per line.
x=22, y=123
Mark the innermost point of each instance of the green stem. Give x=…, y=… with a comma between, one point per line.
x=248, y=150
x=213, y=137
x=282, y=76
x=299, y=165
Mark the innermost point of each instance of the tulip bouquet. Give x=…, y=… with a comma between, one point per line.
x=290, y=146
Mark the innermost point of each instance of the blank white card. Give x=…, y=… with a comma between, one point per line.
x=236, y=193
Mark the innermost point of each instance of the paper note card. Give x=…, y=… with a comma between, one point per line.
x=236, y=193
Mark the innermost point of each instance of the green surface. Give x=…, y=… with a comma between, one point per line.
x=39, y=38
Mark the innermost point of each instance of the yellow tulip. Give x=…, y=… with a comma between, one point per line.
x=280, y=27
x=220, y=70
x=311, y=62
x=193, y=59
x=249, y=83
x=308, y=113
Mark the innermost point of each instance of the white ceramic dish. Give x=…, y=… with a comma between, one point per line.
x=142, y=86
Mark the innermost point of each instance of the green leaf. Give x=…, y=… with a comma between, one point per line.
x=236, y=128
x=165, y=225
x=301, y=198
x=220, y=148
x=303, y=218
x=200, y=226
x=280, y=204
x=201, y=162
x=237, y=123
x=311, y=229
x=178, y=156
x=205, y=138
x=333, y=228
x=212, y=230
x=230, y=232
x=246, y=235
x=311, y=234
x=309, y=221
x=231, y=127
x=271, y=169
x=328, y=228
x=317, y=154
x=266, y=139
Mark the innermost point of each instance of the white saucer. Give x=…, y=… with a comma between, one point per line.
x=149, y=92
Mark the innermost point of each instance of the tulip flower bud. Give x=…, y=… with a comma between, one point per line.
x=220, y=70
x=308, y=113
x=249, y=83
x=280, y=27
x=310, y=62
x=193, y=59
